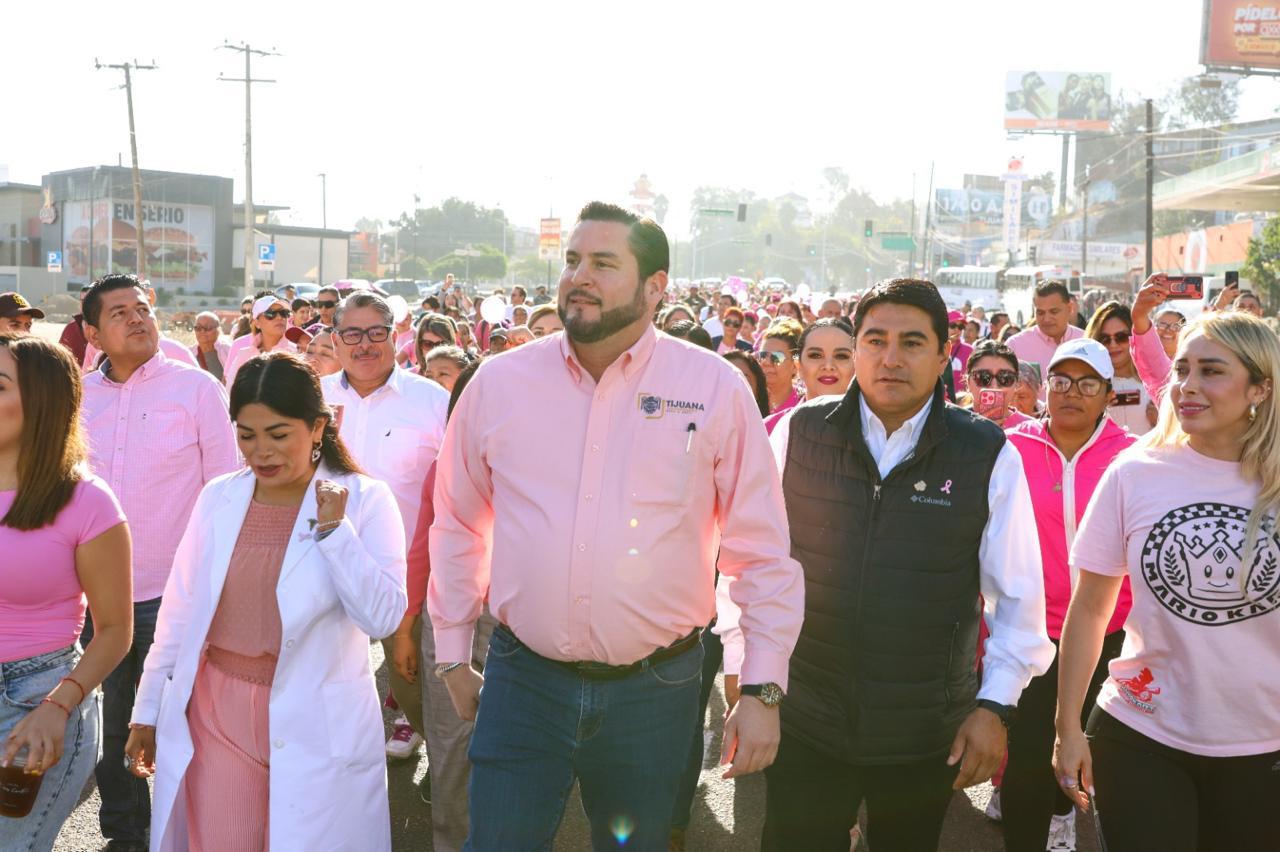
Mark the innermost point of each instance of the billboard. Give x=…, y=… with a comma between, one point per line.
x=101, y=237
x=1241, y=34
x=961, y=209
x=1057, y=100
x=549, y=240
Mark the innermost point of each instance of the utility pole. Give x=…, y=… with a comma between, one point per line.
x=324, y=224
x=928, y=226
x=911, y=258
x=1151, y=179
x=250, y=240
x=127, y=68
x=1062, y=190
x=1084, y=230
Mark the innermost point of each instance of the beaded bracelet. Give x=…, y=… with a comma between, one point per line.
x=48, y=700
x=83, y=692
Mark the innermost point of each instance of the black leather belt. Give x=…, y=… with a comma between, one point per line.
x=592, y=670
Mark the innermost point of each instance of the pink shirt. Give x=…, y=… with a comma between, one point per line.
x=156, y=440
x=1152, y=363
x=170, y=347
x=41, y=601
x=243, y=349
x=778, y=413
x=591, y=514
x=1200, y=667
x=1037, y=347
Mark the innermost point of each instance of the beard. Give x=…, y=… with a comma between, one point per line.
x=582, y=330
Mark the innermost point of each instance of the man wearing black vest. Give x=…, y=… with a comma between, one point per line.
x=903, y=509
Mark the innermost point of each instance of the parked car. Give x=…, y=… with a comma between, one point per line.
x=303, y=289
x=404, y=287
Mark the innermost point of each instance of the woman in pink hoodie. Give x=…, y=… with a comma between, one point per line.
x=1064, y=457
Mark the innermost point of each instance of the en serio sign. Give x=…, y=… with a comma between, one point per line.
x=1241, y=34
x=1057, y=100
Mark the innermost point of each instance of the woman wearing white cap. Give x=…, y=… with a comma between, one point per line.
x=270, y=318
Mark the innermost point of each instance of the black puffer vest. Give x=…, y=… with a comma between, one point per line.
x=883, y=671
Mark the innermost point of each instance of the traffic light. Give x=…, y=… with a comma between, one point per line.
x=868, y=228
x=813, y=251
x=946, y=262
x=742, y=212
x=1031, y=255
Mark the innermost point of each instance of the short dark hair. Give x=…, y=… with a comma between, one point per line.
x=432, y=302
x=523, y=292
x=681, y=329
x=700, y=337
x=914, y=292
x=646, y=239
x=733, y=300
x=298, y=304
x=1050, y=288
x=289, y=386
x=761, y=391
x=995, y=349
x=91, y=305
x=826, y=322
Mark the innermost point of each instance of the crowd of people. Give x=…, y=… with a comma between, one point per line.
x=927, y=549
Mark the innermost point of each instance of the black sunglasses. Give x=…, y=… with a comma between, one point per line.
x=985, y=378
x=326, y=305
x=275, y=313
x=732, y=324
x=1118, y=337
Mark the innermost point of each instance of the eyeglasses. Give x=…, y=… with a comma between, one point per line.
x=428, y=344
x=1087, y=385
x=775, y=358
x=324, y=306
x=731, y=324
x=206, y=328
x=1118, y=337
x=275, y=313
x=376, y=334
x=1176, y=325
x=985, y=378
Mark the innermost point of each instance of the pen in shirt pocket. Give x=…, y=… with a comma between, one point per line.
x=688, y=445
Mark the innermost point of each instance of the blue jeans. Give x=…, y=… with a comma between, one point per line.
x=125, y=813
x=23, y=685
x=713, y=655
x=541, y=726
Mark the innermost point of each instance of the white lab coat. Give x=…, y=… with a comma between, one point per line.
x=328, y=783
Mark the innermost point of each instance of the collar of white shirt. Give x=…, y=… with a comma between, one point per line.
x=393, y=382
x=903, y=438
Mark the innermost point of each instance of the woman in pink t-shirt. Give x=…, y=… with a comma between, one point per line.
x=1184, y=743
x=62, y=538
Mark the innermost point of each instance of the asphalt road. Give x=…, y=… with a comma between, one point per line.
x=727, y=815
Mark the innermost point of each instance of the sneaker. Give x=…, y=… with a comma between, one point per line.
x=1062, y=833
x=404, y=740
x=993, y=807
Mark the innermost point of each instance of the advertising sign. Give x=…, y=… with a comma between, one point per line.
x=101, y=237
x=966, y=209
x=549, y=240
x=1241, y=35
x=1057, y=100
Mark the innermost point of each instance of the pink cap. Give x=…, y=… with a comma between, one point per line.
x=955, y=316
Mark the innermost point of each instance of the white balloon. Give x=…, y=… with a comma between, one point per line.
x=801, y=293
x=399, y=307
x=493, y=310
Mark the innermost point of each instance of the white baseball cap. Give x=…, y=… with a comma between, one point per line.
x=1089, y=351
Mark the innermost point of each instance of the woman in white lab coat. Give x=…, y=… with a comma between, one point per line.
x=257, y=713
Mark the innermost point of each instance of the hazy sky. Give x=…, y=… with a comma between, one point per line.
x=541, y=105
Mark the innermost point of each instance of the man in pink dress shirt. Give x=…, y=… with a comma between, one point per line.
x=597, y=554
x=1054, y=309
x=158, y=430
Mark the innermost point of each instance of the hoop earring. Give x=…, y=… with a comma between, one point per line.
x=1253, y=411
x=315, y=453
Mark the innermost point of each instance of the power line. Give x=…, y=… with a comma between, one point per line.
x=248, y=80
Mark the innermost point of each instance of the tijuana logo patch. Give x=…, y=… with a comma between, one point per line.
x=1191, y=563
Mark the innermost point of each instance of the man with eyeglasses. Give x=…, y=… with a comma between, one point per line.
x=392, y=420
x=327, y=304
x=210, y=350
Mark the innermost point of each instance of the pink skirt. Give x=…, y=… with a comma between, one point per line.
x=227, y=781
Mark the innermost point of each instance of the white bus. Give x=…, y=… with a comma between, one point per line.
x=977, y=285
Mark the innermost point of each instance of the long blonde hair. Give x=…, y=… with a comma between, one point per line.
x=1258, y=348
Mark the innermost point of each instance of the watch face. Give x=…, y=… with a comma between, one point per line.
x=771, y=694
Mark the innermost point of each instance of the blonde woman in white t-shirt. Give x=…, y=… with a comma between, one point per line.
x=1183, y=747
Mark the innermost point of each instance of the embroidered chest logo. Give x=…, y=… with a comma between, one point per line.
x=650, y=405
x=1191, y=563
x=1138, y=691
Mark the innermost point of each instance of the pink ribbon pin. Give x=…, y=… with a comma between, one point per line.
x=946, y=489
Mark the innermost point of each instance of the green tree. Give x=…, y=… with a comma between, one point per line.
x=1193, y=104
x=488, y=264
x=532, y=271
x=1262, y=262
x=437, y=231
x=413, y=267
